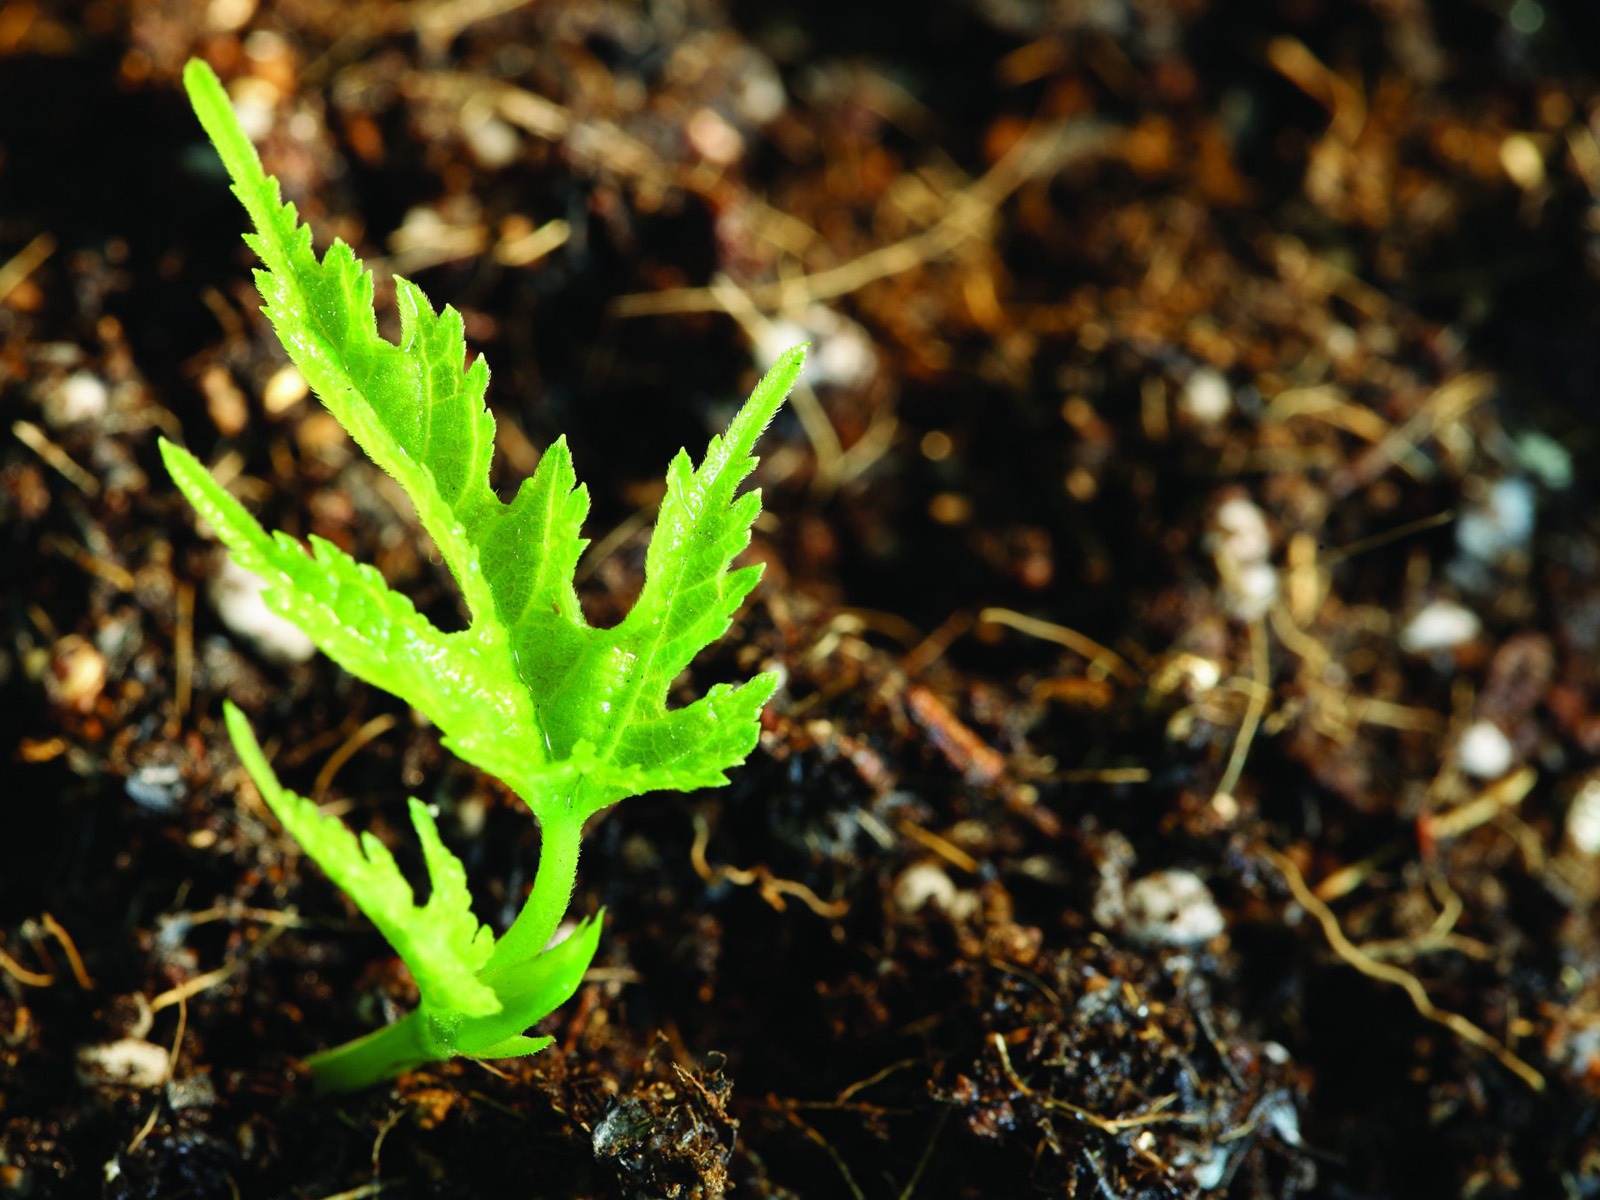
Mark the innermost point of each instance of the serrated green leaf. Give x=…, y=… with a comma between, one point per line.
x=356, y=619
x=615, y=694
x=414, y=408
x=530, y=554
x=690, y=747
x=440, y=941
x=690, y=595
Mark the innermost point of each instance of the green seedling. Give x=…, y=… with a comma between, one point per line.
x=572, y=717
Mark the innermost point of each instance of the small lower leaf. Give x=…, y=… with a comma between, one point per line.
x=531, y=990
x=441, y=941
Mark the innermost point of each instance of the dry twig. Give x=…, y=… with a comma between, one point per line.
x=1042, y=152
x=68, y=947
x=24, y=263
x=772, y=889
x=1387, y=973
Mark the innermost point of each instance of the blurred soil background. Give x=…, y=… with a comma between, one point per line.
x=1183, y=561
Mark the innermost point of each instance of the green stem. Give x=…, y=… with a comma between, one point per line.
x=552, y=892
x=381, y=1054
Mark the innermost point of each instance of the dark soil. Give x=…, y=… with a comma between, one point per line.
x=1184, y=567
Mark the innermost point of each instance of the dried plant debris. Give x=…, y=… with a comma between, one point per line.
x=1124, y=1076
x=671, y=1137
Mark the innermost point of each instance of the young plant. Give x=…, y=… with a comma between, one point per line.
x=572, y=717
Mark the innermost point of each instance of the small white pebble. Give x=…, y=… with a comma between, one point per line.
x=760, y=97
x=1502, y=522
x=1485, y=752
x=844, y=356
x=494, y=143
x=777, y=337
x=1110, y=908
x=77, y=675
x=1206, y=398
x=266, y=47
x=130, y=1062
x=284, y=390
x=1208, y=1166
x=421, y=226
x=236, y=595
x=156, y=786
x=1522, y=162
x=196, y=1091
x=1172, y=908
x=927, y=883
x=225, y=16
x=1201, y=674
x=712, y=138
x=226, y=405
x=1283, y=1120
x=472, y=814
x=841, y=353
x=81, y=396
x=1439, y=625
x=255, y=103
x=1341, y=342
x=1193, y=674
x=1580, y=1051
x=1239, y=531
x=304, y=127
x=1253, y=591
x=1541, y=455
x=1583, y=819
